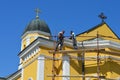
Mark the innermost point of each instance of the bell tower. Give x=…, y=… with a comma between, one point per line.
x=36, y=28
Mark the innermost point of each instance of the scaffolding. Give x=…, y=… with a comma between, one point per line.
x=82, y=51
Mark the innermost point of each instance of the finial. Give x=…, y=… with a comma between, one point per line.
x=102, y=16
x=37, y=10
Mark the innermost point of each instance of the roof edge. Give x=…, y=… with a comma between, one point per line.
x=92, y=28
x=87, y=31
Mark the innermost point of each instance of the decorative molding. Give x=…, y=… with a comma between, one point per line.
x=32, y=53
x=87, y=44
x=38, y=42
x=93, y=44
x=39, y=32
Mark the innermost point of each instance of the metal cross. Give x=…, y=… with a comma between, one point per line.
x=37, y=10
x=102, y=16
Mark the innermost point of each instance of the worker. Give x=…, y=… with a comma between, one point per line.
x=73, y=38
x=60, y=40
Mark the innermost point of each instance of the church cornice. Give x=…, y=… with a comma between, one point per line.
x=50, y=44
x=93, y=44
x=39, y=32
x=38, y=42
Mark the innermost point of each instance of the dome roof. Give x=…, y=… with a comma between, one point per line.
x=37, y=25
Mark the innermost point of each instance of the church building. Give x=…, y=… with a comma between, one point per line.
x=96, y=58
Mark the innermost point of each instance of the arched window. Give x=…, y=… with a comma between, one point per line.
x=27, y=41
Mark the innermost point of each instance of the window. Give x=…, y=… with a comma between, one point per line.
x=27, y=41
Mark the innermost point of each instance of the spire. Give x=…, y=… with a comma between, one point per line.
x=103, y=17
x=37, y=10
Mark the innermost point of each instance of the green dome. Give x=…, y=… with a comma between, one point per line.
x=37, y=25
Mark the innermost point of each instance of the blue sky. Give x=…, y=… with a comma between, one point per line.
x=76, y=15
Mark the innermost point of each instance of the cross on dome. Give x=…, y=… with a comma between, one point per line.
x=37, y=10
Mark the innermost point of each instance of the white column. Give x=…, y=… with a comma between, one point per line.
x=40, y=67
x=66, y=67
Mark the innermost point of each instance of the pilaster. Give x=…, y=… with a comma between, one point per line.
x=66, y=67
x=40, y=68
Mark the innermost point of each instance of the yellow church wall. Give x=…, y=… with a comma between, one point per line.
x=60, y=69
x=91, y=68
x=48, y=64
x=108, y=68
x=91, y=65
x=30, y=67
x=32, y=63
x=48, y=69
x=30, y=71
x=33, y=35
x=23, y=44
x=75, y=68
x=114, y=70
x=45, y=51
x=102, y=30
x=32, y=38
x=75, y=65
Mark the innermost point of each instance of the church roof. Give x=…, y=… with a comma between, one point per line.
x=1, y=78
x=14, y=74
x=87, y=31
x=37, y=25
